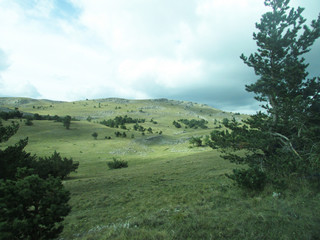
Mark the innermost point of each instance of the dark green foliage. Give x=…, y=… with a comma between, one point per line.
x=16, y=114
x=55, y=166
x=149, y=130
x=14, y=157
x=32, y=208
x=196, y=141
x=28, y=122
x=119, y=134
x=138, y=127
x=115, y=164
x=252, y=178
x=11, y=115
x=120, y=121
x=154, y=122
x=8, y=131
x=176, y=124
x=285, y=140
x=193, y=123
x=56, y=118
x=94, y=135
x=67, y=122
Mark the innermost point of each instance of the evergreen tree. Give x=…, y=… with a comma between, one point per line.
x=284, y=140
x=31, y=207
x=54, y=166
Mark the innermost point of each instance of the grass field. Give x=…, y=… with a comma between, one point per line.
x=170, y=190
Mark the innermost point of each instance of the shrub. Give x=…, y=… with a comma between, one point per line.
x=28, y=122
x=94, y=135
x=196, y=141
x=252, y=178
x=117, y=164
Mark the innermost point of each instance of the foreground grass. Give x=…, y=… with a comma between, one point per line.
x=185, y=198
x=169, y=191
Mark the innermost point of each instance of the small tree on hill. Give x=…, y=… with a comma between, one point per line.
x=284, y=140
x=95, y=135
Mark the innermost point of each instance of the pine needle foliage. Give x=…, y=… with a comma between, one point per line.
x=284, y=139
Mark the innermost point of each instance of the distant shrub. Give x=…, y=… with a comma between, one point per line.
x=176, y=124
x=193, y=123
x=94, y=135
x=115, y=164
x=120, y=121
x=28, y=122
x=196, y=141
x=67, y=121
x=89, y=118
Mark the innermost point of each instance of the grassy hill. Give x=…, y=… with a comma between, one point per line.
x=170, y=190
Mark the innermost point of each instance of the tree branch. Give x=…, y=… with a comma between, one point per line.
x=287, y=142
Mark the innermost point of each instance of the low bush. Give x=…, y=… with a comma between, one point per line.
x=117, y=164
x=252, y=178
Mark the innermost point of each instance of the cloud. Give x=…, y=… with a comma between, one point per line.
x=4, y=64
x=76, y=49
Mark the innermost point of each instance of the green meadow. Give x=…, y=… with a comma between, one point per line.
x=171, y=189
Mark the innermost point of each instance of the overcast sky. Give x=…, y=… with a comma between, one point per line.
x=136, y=49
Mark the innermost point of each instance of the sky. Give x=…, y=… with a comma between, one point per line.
x=136, y=49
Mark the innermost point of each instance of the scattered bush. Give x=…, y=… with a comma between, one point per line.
x=193, y=123
x=115, y=164
x=120, y=121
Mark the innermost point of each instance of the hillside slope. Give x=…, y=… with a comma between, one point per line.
x=171, y=190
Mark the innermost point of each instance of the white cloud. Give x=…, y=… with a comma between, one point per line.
x=127, y=48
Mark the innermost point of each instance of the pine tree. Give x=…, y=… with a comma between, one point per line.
x=285, y=139
x=31, y=207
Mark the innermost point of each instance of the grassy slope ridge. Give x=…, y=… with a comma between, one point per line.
x=169, y=190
